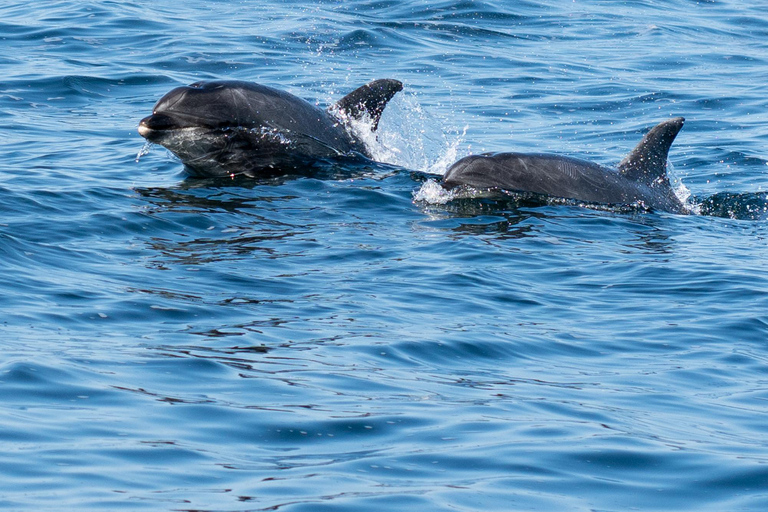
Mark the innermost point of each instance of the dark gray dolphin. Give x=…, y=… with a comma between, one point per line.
x=226, y=128
x=641, y=178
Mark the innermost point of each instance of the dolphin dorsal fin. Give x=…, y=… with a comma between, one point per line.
x=369, y=100
x=647, y=163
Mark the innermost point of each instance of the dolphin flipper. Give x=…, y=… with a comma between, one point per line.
x=369, y=100
x=647, y=163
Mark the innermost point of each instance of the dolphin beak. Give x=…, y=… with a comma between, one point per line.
x=144, y=129
x=152, y=127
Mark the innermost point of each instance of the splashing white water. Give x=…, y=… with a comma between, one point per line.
x=410, y=137
x=682, y=192
x=432, y=192
x=144, y=150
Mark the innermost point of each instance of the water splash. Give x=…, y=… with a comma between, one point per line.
x=144, y=150
x=682, y=192
x=409, y=136
x=431, y=192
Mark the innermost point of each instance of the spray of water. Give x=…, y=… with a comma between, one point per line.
x=681, y=191
x=144, y=150
x=408, y=136
x=431, y=192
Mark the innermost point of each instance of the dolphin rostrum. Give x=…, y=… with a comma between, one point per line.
x=640, y=180
x=227, y=128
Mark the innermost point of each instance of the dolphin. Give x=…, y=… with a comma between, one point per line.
x=640, y=180
x=226, y=128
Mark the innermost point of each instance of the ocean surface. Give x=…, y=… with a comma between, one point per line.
x=357, y=341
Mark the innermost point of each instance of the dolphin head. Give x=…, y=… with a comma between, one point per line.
x=216, y=128
x=206, y=105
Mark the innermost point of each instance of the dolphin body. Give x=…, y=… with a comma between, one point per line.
x=226, y=128
x=641, y=179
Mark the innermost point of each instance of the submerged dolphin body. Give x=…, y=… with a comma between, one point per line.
x=641, y=178
x=226, y=128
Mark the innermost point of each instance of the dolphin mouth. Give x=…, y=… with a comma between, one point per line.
x=159, y=125
x=155, y=126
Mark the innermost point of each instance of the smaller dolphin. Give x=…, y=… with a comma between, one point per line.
x=226, y=128
x=641, y=178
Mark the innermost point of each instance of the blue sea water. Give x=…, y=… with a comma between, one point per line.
x=355, y=341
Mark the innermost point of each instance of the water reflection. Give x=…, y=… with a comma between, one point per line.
x=208, y=195
x=204, y=224
x=511, y=218
x=503, y=218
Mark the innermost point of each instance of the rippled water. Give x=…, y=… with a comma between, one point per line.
x=331, y=342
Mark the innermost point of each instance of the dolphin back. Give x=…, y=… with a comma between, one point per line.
x=641, y=178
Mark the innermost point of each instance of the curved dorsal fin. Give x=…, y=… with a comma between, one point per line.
x=369, y=99
x=647, y=163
